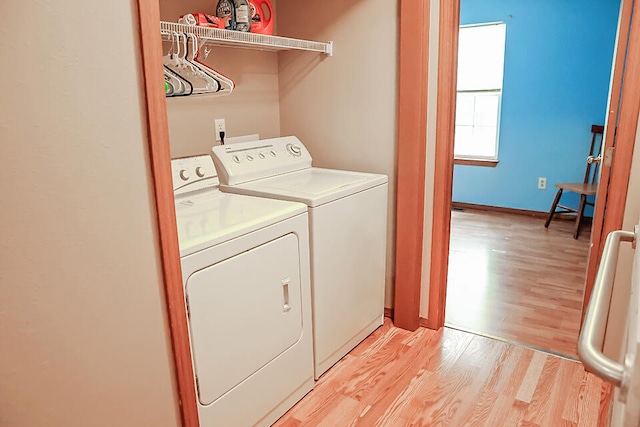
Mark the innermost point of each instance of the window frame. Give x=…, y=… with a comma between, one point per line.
x=474, y=159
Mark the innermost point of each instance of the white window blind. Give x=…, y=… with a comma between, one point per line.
x=480, y=75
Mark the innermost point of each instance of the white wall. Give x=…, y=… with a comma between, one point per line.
x=344, y=107
x=252, y=108
x=84, y=338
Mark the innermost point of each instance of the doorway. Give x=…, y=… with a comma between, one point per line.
x=420, y=293
x=524, y=118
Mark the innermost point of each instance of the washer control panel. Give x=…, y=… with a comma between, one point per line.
x=193, y=173
x=248, y=161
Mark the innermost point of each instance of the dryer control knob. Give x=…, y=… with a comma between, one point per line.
x=184, y=175
x=200, y=172
x=294, y=149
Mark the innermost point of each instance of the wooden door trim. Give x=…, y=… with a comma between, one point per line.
x=160, y=156
x=597, y=234
x=412, y=136
x=626, y=132
x=443, y=173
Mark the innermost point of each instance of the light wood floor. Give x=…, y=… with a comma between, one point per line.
x=451, y=378
x=509, y=277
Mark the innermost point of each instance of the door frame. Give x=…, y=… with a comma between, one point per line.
x=408, y=283
x=160, y=156
x=412, y=128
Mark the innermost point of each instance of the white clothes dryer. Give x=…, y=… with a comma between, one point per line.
x=348, y=226
x=245, y=269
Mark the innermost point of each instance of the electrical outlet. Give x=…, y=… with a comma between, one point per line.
x=542, y=183
x=220, y=127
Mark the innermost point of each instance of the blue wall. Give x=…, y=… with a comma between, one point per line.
x=556, y=81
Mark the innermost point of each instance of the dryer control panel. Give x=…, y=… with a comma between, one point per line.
x=193, y=173
x=248, y=161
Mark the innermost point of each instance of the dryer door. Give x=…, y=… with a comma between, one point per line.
x=244, y=312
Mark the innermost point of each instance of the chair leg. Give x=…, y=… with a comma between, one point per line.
x=583, y=200
x=552, y=211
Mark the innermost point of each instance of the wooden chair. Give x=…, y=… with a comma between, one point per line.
x=588, y=187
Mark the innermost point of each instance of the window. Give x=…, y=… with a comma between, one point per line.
x=480, y=72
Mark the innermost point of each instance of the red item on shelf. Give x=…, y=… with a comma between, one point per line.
x=261, y=17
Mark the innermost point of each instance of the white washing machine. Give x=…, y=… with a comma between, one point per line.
x=348, y=226
x=245, y=269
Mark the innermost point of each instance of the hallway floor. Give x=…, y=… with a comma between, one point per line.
x=511, y=278
x=397, y=378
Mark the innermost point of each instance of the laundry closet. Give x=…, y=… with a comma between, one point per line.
x=342, y=107
x=249, y=317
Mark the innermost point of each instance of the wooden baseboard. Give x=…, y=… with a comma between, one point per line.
x=388, y=312
x=425, y=323
x=526, y=212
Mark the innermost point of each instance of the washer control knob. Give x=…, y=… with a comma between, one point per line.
x=200, y=172
x=294, y=149
x=261, y=155
x=236, y=159
x=273, y=153
x=184, y=175
x=249, y=157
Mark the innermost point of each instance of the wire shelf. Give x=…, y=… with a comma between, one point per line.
x=220, y=37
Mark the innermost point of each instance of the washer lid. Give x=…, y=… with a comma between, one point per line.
x=313, y=186
x=210, y=217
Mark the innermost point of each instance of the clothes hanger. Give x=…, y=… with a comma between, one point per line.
x=176, y=85
x=174, y=62
x=172, y=58
x=182, y=87
x=168, y=86
x=226, y=84
x=187, y=74
x=193, y=50
x=214, y=84
x=202, y=83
